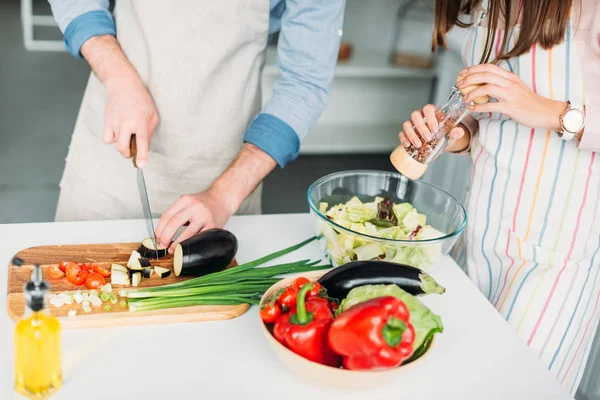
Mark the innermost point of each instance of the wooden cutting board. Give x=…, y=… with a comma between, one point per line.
x=103, y=254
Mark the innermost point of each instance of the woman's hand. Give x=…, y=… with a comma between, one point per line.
x=421, y=125
x=515, y=99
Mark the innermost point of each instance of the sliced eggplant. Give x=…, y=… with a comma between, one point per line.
x=339, y=281
x=149, y=249
x=139, y=264
x=118, y=277
x=119, y=267
x=136, y=278
x=162, y=272
x=147, y=272
x=132, y=258
x=207, y=252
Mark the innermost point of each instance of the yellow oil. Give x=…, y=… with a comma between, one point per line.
x=38, y=363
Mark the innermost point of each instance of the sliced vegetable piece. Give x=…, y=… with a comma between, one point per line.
x=105, y=272
x=119, y=267
x=139, y=264
x=107, y=308
x=149, y=249
x=54, y=272
x=147, y=272
x=120, y=278
x=72, y=313
x=136, y=278
x=134, y=256
x=94, y=280
x=162, y=272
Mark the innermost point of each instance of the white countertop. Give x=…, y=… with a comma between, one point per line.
x=477, y=357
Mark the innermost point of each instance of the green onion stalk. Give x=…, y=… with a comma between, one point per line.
x=243, y=284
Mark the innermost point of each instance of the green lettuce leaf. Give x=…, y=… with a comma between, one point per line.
x=425, y=322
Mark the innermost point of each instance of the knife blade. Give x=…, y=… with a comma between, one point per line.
x=141, y=182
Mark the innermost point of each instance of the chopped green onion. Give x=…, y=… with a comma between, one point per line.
x=107, y=308
x=123, y=304
x=72, y=313
x=105, y=296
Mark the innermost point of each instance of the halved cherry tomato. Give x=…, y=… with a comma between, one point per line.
x=63, y=266
x=85, y=267
x=299, y=282
x=54, y=272
x=105, y=272
x=287, y=299
x=72, y=270
x=94, y=280
x=270, y=312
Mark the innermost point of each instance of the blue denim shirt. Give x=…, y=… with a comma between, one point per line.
x=309, y=39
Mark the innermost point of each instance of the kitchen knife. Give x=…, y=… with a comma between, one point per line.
x=143, y=193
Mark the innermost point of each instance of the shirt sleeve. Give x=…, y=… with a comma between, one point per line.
x=307, y=54
x=80, y=20
x=589, y=57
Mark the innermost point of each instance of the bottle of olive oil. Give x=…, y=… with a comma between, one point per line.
x=38, y=361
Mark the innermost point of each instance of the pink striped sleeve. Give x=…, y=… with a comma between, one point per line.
x=587, y=39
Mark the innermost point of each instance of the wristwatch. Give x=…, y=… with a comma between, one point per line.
x=572, y=121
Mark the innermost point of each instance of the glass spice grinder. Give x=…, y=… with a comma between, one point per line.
x=412, y=162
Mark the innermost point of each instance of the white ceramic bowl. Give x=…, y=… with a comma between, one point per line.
x=323, y=375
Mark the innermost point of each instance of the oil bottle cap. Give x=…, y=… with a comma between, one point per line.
x=36, y=290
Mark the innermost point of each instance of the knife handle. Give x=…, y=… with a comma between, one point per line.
x=133, y=149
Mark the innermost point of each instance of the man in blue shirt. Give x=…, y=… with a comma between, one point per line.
x=184, y=77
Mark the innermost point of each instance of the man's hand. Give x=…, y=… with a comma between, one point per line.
x=213, y=207
x=129, y=108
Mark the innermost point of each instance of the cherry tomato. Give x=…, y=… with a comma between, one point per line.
x=105, y=272
x=269, y=312
x=63, y=266
x=72, y=270
x=54, y=272
x=315, y=291
x=299, y=282
x=86, y=267
x=94, y=280
x=287, y=299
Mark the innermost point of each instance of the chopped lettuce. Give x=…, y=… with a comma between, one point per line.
x=425, y=322
x=379, y=218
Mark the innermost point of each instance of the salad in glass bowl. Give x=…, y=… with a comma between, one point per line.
x=373, y=215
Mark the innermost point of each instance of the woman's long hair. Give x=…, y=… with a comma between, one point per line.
x=541, y=21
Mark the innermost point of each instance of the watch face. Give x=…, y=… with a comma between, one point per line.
x=573, y=121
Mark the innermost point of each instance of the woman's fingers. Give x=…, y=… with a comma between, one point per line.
x=411, y=134
x=488, y=108
x=497, y=92
x=475, y=69
x=403, y=139
x=419, y=123
x=429, y=111
x=479, y=78
x=457, y=132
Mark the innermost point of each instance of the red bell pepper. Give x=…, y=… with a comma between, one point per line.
x=304, y=330
x=375, y=334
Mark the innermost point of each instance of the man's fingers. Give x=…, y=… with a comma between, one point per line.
x=109, y=135
x=143, y=145
x=124, y=140
x=176, y=207
x=187, y=233
x=173, y=225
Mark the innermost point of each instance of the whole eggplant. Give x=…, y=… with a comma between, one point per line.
x=339, y=281
x=207, y=252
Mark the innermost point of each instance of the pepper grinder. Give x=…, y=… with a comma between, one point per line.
x=412, y=162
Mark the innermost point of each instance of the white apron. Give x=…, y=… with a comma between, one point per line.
x=201, y=61
x=534, y=232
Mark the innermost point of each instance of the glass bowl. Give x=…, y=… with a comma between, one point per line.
x=341, y=244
